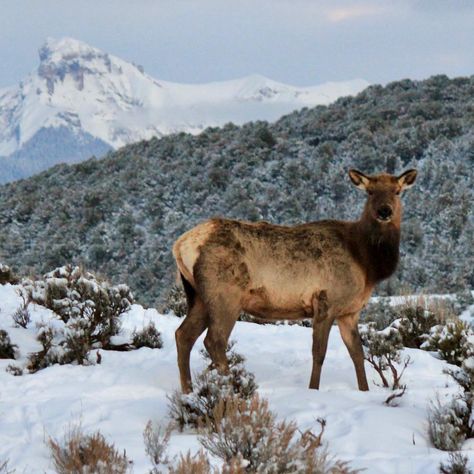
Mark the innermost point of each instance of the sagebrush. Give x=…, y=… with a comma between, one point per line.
x=81, y=453
x=209, y=388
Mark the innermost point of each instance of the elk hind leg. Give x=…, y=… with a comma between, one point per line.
x=223, y=314
x=186, y=335
x=350, y=335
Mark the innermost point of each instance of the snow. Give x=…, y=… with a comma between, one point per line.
x=84, y=88
x=127, y=389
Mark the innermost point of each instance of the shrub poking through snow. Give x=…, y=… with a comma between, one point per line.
x=454, y=341
x=247, y=437
x=457, y=464
x=89, y=308
x=14, y=370
x=86, y=453
x=382, y=351
x=209, y=387
x=447, y=424
x=175, y=302
x=7, y=275
x=380, y=312
x=83, y=302
x=7, y=349
x=149, y=336
x=415, y=325
x=22, y=317
x=450, y=424
x=197, y=464
x=156, y=440
x=51, y=352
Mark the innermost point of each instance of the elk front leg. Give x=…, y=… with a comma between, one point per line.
x=321, y=328
x=350, y=335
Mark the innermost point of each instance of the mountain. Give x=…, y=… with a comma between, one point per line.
x=120, y=215
x=82, y=101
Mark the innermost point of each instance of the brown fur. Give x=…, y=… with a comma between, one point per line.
x=325, y=269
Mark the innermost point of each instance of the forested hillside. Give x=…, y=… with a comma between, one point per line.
x=119, y=215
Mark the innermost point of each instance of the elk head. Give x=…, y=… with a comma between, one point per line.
x=383, y=194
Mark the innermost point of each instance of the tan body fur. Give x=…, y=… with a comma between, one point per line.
x=278, y=269
x=325, y=270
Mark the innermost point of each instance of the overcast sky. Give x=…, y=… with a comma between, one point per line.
x=301, y=42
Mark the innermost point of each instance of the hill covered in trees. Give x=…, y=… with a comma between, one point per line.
x=119, y=215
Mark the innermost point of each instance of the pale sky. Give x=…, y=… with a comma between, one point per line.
x=300, y=42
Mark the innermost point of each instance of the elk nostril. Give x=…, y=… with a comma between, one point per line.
x=384, y=212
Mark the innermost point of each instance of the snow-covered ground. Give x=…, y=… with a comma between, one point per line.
x=127, y=389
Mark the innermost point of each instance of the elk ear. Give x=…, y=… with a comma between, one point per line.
x=359, y=179
x=407, y=179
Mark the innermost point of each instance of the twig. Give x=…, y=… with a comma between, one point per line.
x=394, y=395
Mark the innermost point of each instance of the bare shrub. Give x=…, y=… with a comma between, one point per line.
x=149, y=336
x=4, y=469
x=80, y=453
x=22, y=317
x=7, y=349
x=209, y=387
x=457, y=464
x=247, y=437
x=382, y=351
x=156, y=440
x=175, y=302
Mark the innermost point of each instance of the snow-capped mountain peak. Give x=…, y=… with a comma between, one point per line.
x=92, y=95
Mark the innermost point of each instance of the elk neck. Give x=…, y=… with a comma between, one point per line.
x=376, y=246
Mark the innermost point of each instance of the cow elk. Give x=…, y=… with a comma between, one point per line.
x=325, y=270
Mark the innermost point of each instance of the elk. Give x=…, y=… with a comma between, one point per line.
x=325, y=270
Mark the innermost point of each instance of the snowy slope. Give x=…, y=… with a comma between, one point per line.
x=127, y=389
x=88, y=90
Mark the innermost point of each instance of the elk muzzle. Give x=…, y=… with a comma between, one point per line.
x=384, y=213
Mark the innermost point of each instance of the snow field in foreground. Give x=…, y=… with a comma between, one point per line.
x=127, y=389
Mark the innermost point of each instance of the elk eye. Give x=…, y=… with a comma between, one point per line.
x=370, y=193
x=397, y=192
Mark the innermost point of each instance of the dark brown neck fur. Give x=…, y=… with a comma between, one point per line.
x=376, y=247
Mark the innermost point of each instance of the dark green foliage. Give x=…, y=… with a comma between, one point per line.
x=7, y=349
x=415, y=325
x=149, y=336
x=121, y=214
x=83, y=302
x=89, y=308
x=452, y=341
